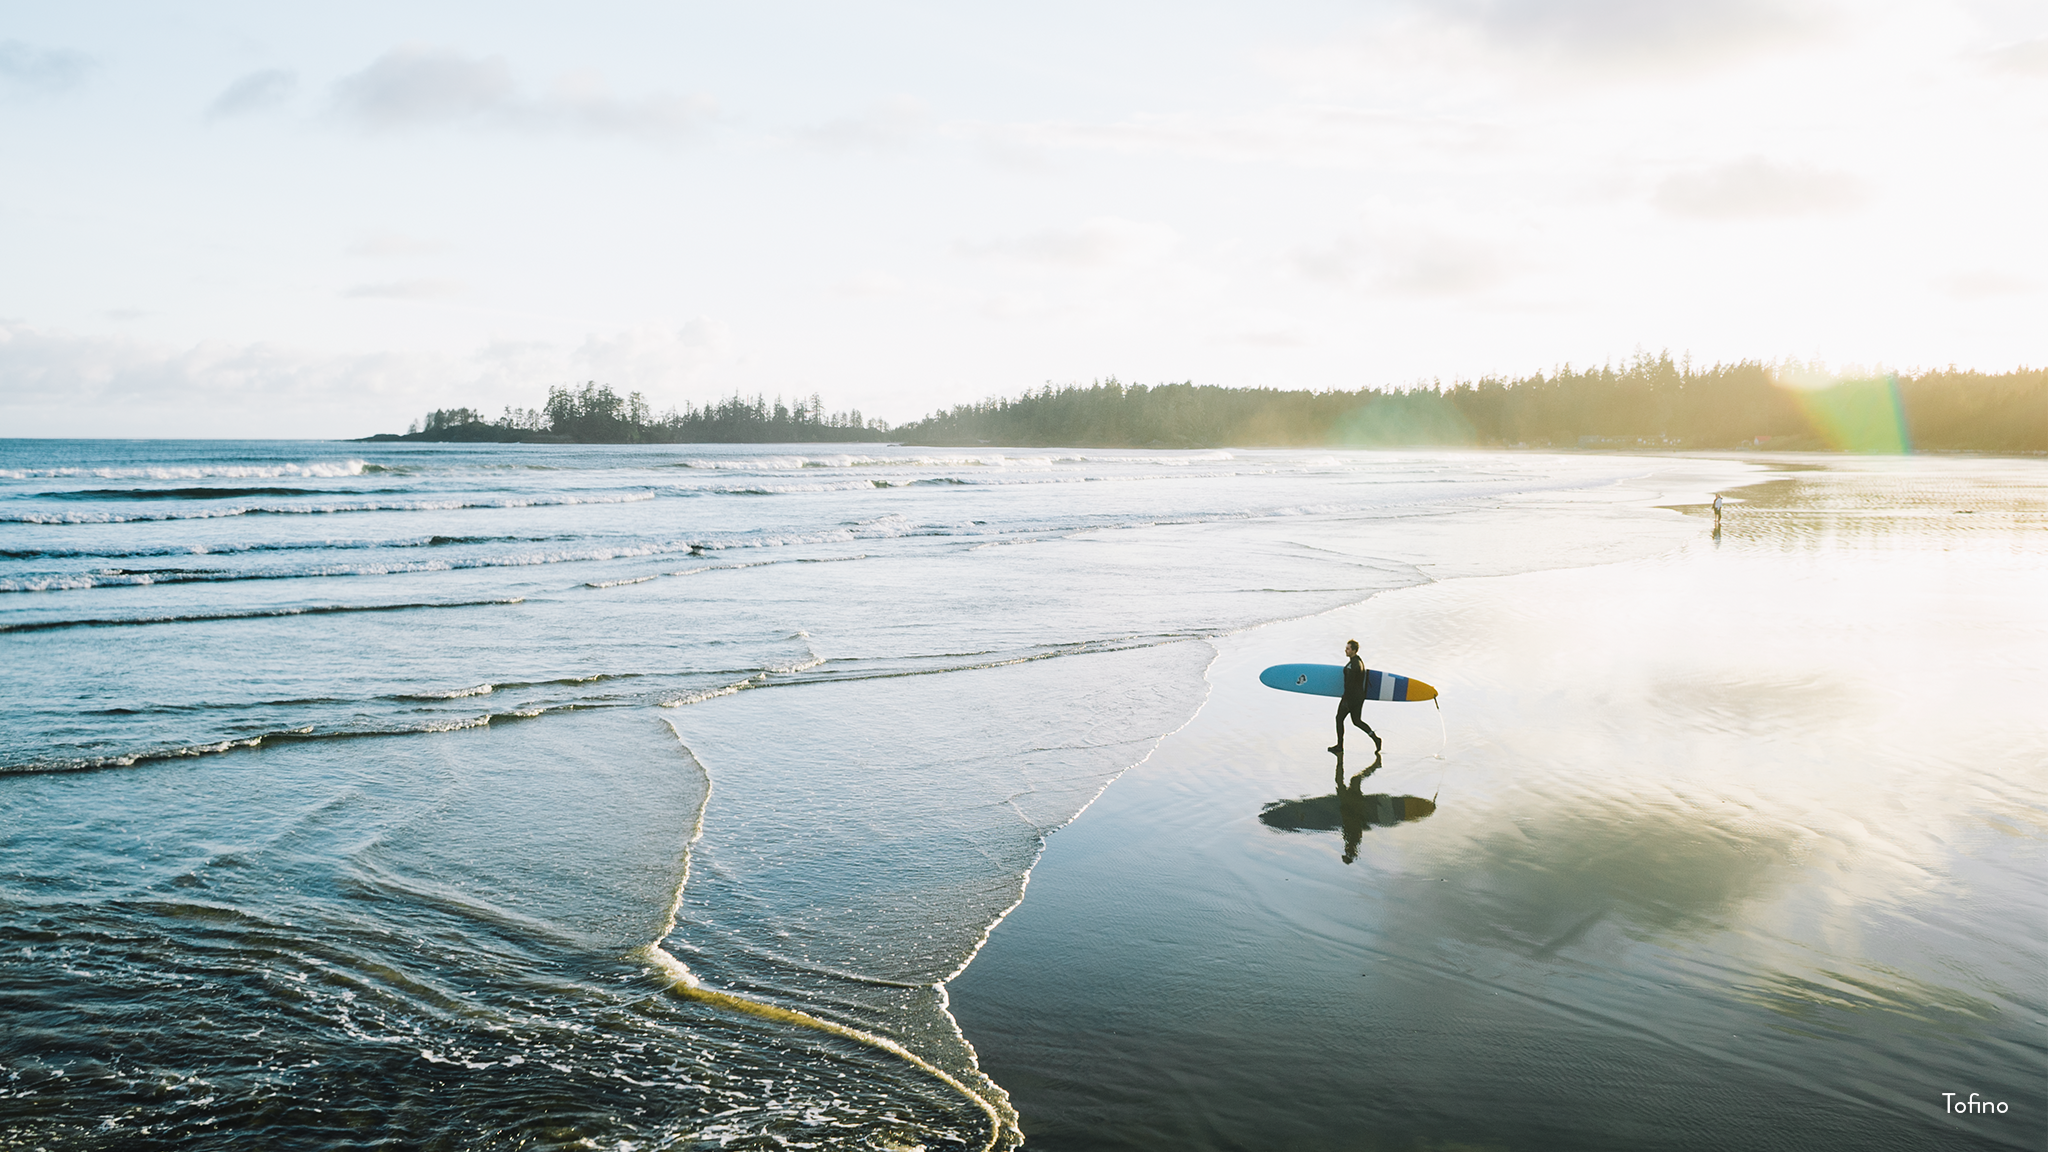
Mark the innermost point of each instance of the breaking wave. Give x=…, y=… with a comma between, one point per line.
x=246, y=614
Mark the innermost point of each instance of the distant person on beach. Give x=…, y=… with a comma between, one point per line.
x=1353, y=700
x=1717, y=507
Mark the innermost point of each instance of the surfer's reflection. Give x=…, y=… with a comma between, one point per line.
x=1350, y=811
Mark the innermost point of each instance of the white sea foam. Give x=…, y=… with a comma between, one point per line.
x=783, y=540
x=483, y=721
x=991, y=460
x=457, y=693
x=793, y=489
x=321, y=469
x=688, y=698
x=92, y=516
x=57, y=583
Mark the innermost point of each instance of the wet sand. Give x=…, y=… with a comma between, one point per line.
x=1744, y=846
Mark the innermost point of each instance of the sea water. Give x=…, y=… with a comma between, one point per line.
x=645, y=796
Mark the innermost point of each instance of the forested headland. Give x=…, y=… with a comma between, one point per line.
x=1650, y=402
x=595, y=414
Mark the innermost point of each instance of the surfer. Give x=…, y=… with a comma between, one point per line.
x=1353, y=699
x=1717, y=509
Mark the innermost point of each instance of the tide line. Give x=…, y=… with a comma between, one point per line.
x=684, y=983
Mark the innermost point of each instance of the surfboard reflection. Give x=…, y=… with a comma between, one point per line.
x=1350, y=810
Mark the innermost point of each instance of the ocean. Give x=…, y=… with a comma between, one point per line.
x=671, y=796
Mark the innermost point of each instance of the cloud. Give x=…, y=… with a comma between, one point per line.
x=1322, y=135
x=1422, y=262
x=2027, y=59
x=382, y=244
x=1273, y=336
x=1443, y=267
x=892, y=124
x=41, y=71
x=871, y=286
x=1100, y=242
x=412, y=86
x=415, y=289
x=95, y=381
x=1340, y=261
x=1985, y=283
x=256, y=92
x=1634, y=33
x=656, y=357
x=1473, y=55
x=1755, y=189
x=55, y=383
x=417, y=87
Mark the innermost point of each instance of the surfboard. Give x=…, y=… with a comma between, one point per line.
x=1328, y=680
x=1326, y=813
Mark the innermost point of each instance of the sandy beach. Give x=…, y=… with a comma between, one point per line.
x=1697, y=867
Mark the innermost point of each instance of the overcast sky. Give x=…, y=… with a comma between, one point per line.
x=306, y=220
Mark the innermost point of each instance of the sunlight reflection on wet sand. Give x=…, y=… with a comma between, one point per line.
x=1729, y=846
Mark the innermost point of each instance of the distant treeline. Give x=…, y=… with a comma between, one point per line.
x=1651, y=402
x=594, y=414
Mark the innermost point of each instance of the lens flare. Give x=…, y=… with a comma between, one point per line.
x=1854, y=415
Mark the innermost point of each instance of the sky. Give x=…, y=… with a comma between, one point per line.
x=323, y=220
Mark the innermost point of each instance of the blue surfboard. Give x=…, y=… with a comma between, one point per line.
x=1328, y=680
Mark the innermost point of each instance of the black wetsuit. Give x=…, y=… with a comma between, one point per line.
x=1353, y=700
